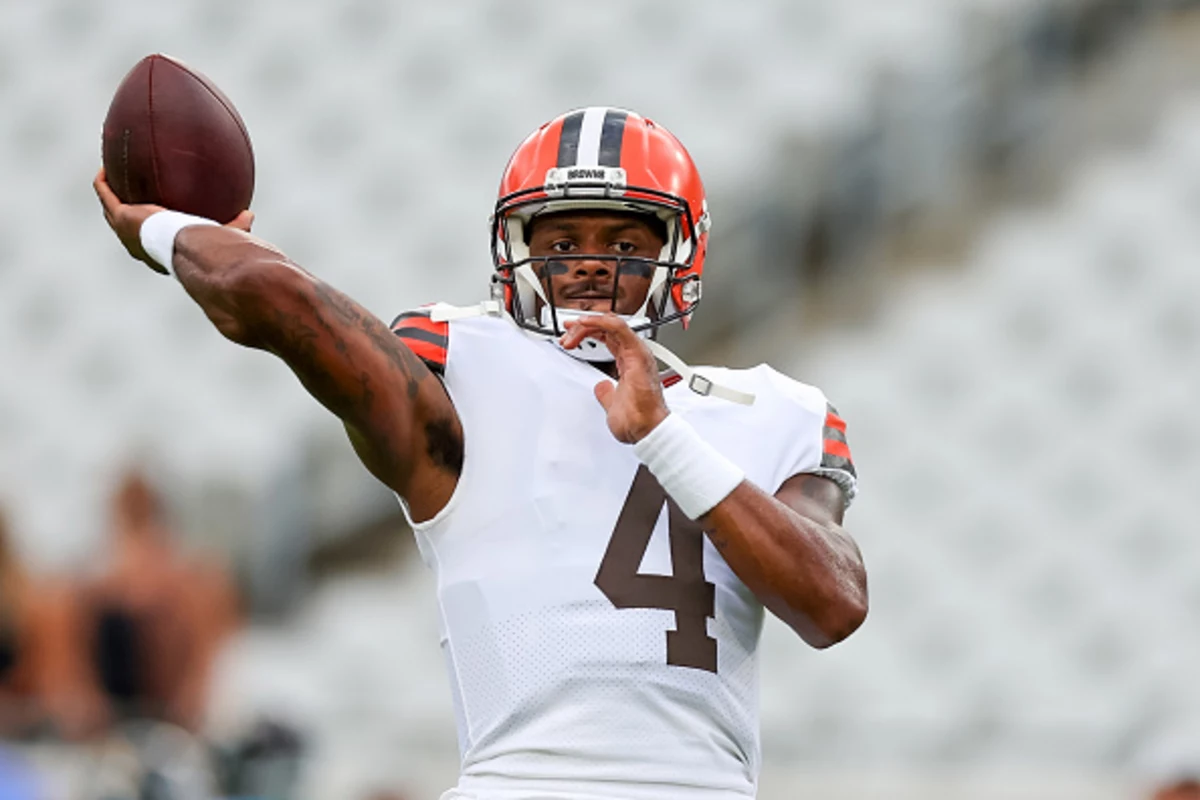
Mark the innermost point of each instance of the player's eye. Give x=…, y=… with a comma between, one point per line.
x=625, y=248
x=563, y=246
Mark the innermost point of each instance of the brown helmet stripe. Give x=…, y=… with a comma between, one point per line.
x=568, y=140
x=611, y=135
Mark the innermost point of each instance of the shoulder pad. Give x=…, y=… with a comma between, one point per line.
x=429, y=340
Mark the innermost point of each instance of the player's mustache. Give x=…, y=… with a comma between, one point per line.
x=598, y=284
x=588, y=289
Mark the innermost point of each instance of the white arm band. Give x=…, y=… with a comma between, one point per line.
x=158, y=234
x=691, y=470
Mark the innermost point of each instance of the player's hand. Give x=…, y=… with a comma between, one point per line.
x=126, y=220
x=635, y=403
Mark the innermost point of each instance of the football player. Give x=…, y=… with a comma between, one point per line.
x=605, y=536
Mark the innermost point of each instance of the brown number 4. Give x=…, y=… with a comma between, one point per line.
x=685, y=591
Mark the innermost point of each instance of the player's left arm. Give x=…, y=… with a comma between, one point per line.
x=790, y=549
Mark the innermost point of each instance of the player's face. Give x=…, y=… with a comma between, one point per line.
x=587, y=284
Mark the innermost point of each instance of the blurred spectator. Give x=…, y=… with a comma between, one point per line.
x=1186, y=789
x=18, y=706
x=40, y=690
x=1170, y=763
x=155, y=618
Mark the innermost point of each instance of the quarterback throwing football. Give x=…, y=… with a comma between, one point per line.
x=605, y=536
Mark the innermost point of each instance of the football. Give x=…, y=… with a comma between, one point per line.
x=172, y=138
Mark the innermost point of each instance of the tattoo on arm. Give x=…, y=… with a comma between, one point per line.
x=444, y=447
x=403, y=359
x=302, y=338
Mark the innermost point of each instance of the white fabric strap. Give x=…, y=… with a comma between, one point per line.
x=444, y=312
x=158, y=234
x=693, y=472
x=694, y=380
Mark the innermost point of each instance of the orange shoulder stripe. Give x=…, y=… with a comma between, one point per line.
x=428, y=340
x=835, y=451
x=836, y=448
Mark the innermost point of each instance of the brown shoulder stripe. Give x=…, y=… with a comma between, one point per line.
x=427, y=339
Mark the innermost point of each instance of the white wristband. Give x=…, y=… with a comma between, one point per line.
x=692, y=471
x=158, y=234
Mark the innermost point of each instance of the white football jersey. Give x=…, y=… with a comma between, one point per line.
x=598, y=646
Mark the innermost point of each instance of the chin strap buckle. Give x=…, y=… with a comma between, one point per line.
x=695, y=381
x=700, y=384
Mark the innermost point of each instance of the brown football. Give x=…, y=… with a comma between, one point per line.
x=172, y=138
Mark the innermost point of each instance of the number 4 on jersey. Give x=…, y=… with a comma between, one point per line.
x=685, y=591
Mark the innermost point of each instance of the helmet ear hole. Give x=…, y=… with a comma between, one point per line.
x=691, y=292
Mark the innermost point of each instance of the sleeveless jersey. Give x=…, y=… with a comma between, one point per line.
x=597, y=644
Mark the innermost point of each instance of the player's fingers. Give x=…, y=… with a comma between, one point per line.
x=621, y=339
x=109, y=201
x=243, y=221
x=629, y=351
x=608, y=328
x=576, y=332
x=108, y=198
x=604, y=391
x=626, y=346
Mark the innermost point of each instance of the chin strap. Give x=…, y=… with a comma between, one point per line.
x=695, y=381
x=444, y=312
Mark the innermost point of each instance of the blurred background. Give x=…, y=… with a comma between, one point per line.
x=973, y=223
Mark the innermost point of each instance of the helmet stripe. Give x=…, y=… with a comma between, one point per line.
x=589, y=137
x=568, y=141
x=610, y=137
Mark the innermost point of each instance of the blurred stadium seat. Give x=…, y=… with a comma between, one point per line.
x=1028, y=443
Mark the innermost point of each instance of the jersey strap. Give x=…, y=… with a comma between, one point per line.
x=429, y=340
x=695, y=381
x=444, y=312
x=835, y=453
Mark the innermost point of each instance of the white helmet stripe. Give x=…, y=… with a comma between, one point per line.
x=589, y=137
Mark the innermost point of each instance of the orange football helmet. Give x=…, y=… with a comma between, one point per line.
x=601, y=158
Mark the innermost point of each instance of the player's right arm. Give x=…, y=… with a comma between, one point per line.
x=397, y=413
